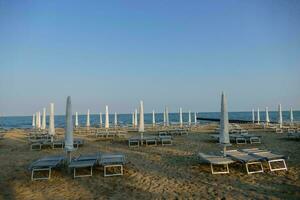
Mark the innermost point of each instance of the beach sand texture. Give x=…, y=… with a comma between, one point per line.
x=170, y=172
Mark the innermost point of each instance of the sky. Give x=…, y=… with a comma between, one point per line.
x=175, y=53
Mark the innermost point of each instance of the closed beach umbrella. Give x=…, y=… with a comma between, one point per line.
x=116, y=119
x=51, y=121
x=190, y=118
x=39, y=119
x=141, y=126
x=258, y=116
x=267, y=116
x=88, y=119
x=133, y=120
x=224, y=124
x=33, y=120
x=253, y=116
x=167, y=116
x=180, y=117
x=69, y=145
x=136, y=117
x=106, y=118
x=44, y=119
x=36, y=120
x=101, y=121
x=153, y=118
x=291, y=116
x=76, y=119
x=195, y=117
x=280, y=116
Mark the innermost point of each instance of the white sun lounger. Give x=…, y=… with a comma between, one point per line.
x=246, y=159
x=214, y=160
x=269, y=157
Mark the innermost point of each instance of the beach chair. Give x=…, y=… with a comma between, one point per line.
x=134, y=142
x=82, y=162
x=113, y=163
x=45, y=164
x=247, y=160
x=215, y=160
x=165, y=140
x=279, y=130
x=270, y=157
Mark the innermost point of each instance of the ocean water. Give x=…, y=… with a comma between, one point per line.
x=123, y=119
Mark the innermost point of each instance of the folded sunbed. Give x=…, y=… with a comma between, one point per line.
x=215, y=160
x=84, y=161
x=45, y=164
x=269, y=157
x=246, y=159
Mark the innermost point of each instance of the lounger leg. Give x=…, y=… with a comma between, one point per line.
x=42, y=178
x=219, y=172
x=277, y=169
x=254, y=163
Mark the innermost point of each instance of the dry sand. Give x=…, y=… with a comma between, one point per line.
x=171, y=172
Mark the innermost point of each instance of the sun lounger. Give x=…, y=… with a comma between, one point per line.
x=84, y=161
x=214, y=160
x=45, y=164
x=112, y=162
x=248, y=160
x=269, y=157
x=165, y=140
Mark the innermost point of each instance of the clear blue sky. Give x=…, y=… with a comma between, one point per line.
x=175, y=53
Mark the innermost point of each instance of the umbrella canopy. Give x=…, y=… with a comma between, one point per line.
x=153, y=118
x=190, y=118
x=165, y=118
x=106, y=118
x=141, y=126
x=291, y=116
x=44, y=119
x=88, y=118
x=267, y=116
x=133, y=120
x=39, y=119
x=224, y=124
x=69, y=146
x=33, y=120
x=258, y=116
x=76, y=119
x=116, y=119
x=136, y=117
x=51, y=121
x=180, y=117
x=195, y=118
x=280, y=115
x=101, y=121
x=253, y=116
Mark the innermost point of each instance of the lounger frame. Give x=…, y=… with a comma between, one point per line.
x=39, y=170
x=279, y=168
x=106, y=167
x=219, y=172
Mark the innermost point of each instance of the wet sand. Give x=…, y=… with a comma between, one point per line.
x=169, y=172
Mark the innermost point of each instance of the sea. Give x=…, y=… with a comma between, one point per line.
x=125, y=119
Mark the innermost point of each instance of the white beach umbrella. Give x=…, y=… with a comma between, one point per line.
x=258, y=116
x=69, y=143
x=180, y=117
x=76, y=119
x=267, y=116
x=167, y=116
x=88, y=124
x=253, y=116
x=39, y=120
x=153, y=118
x=36, y=120
x=291, y=116
x=116, y=119
x=280, y=116
x=190, y=118
x=141, y=126
x=133, y=120
x=44, y=119
x=136, y=118
x=101, y=121
x=33, y=120
x=224, y=124
x=51, y=121
x=106, y=118
x=195, y=118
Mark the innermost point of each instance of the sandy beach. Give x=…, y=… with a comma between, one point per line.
x=169, y=172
